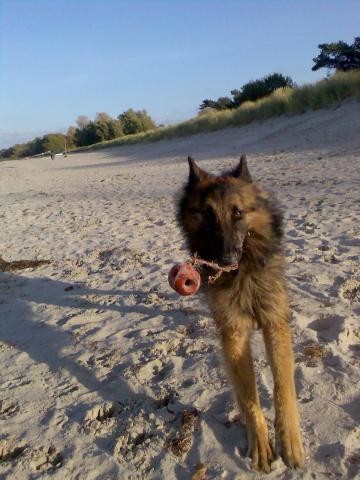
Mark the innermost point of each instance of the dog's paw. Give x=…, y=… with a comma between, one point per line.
x=260, y=452
x=290, y=446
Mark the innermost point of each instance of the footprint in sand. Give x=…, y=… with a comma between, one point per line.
x=331, y=454
x=8, y=408
x=46, y=458
x=102, y=412
x=11, y=448
x=64, y=388
x=146, y=372
x=350, y=289
x=328, y=327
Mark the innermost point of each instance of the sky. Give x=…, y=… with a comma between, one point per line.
x=63, y=58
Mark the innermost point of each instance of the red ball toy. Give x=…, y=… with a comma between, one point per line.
x=184, y=279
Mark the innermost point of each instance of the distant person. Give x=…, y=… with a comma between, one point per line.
x=52, y=155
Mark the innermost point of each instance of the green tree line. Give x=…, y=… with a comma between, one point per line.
x=87, y=132
x=336, y=56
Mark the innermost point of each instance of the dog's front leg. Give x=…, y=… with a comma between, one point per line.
x=277, y=338
x=236, y=348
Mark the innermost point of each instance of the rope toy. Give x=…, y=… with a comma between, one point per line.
x=185, y=278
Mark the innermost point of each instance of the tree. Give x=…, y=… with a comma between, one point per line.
x=82, y=121
x=87, y=132
x=102, y=117
x=16, y=151
x=147, y=123
x=107, y=130
x=130, y=122
x=98, y=131
x=338, y=55
x=101, y=131
x=207, y=104
x=252, y=91
x=53, y=142
x=70, y=138
x=85, y=135
x=35, y=147
x=222, y=103
x=115, y=129
x=135, y=121
x=256, y=89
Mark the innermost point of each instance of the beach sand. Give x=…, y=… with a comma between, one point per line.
x=106, y=373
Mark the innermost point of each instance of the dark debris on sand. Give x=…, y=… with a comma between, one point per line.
x=20, y=264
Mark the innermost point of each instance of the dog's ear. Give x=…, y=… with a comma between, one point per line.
x=242, y=171
x=195, y=173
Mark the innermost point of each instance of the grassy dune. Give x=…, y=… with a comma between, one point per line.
x=283, y=101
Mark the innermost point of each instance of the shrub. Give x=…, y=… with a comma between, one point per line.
x=135, y=121
x=257, y=89
x=251, y=91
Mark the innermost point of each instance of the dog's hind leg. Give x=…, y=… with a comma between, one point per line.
x=277, y=338
x=237, y=352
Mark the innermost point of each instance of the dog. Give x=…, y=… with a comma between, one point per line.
x=229, y=219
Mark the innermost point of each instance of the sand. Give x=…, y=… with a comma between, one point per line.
x=106, y=373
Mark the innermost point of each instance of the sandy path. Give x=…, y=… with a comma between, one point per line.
x=99, y=359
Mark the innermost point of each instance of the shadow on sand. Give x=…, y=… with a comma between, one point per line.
x=45, y=343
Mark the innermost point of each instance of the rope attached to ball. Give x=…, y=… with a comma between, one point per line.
x=197, y=262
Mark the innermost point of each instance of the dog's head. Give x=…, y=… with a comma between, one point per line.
x=228, y=219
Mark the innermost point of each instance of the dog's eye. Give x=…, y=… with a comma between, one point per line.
x=238, y=213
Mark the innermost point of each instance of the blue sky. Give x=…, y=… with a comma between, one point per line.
x=63, y=58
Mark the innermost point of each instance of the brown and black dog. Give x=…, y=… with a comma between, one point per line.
x=229, y=219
